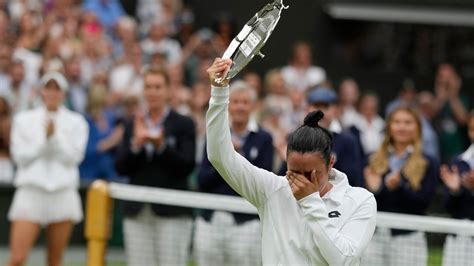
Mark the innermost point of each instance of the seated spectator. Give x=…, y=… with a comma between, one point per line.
x=159, y=41
x=224, y=238
x=77, y=94
x=108, y=11
x=271, y=122
x=255, y=81
x=125, y=78
x=180, y=94
x=406, y=97
x=277, y=95
x=459, y=182
x=199, y=102
x=298, y=101
x=5, y=63
x=300, y=73
x=200, y=50
x=47, y=146
x=6, y=166
x=426, y=105
x=125, y=35
x=104, y=136
x=367, y=125
x=27, y=45
x=20, y=94
x=403, y=180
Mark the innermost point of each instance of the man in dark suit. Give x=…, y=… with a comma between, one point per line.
x=158, y=150
x=224, y=238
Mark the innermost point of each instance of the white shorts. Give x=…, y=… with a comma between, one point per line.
x=45, y=207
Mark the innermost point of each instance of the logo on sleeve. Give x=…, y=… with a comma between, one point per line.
x=334, y=214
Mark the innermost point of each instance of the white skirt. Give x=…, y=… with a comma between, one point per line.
x=45, y=207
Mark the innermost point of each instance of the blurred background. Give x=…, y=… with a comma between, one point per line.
x=418, y=53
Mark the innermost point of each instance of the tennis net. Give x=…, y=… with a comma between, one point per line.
x=399, y=239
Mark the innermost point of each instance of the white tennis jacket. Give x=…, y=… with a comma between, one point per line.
x=333, y=230
x=53, y=163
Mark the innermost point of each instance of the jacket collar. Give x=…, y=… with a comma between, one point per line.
x=340, y=185
x=42, y=109
x=252, y=125
x=468, y=155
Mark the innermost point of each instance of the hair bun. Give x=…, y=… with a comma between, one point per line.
x=312, y=119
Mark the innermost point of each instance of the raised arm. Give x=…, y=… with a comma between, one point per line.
x=251, y=182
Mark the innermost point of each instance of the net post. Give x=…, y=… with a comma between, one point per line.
x=98, y=222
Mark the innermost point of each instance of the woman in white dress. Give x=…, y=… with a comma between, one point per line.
x=47, y=146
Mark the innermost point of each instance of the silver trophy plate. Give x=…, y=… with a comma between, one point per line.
x=253, y=37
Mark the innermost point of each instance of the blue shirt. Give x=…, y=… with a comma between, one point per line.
x=98, y=164
x=107, y=11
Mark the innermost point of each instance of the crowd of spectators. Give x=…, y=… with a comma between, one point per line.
x=102, y=52
x=396, y=151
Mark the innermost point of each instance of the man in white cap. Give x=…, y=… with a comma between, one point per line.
x=47, y=145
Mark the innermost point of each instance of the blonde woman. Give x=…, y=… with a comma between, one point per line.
x=403, y=180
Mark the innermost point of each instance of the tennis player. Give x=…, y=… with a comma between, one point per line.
x=311, y=216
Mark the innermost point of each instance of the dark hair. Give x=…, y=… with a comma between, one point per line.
x=310, y=137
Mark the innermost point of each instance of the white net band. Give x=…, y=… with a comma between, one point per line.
x=236, y=204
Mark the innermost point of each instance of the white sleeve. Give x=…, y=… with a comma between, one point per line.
x=24, y=147
x=251, y=182
x=70, y=146
x=340, y=246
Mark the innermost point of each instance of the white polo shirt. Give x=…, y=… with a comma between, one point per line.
x=332, y=230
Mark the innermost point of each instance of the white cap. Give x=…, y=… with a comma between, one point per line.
x=57, y=77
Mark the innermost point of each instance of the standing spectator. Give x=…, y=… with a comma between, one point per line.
x=158, y=150
x=6, y=166
x=452, y=114
x=301, y=74
x=224, y=238
x=47, y=145
x=104, y=136
x=403, y=180
x=459, y=182
x=348, y=98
